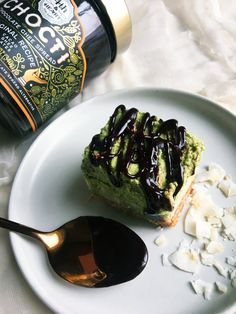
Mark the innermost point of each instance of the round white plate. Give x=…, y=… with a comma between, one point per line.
x=49, y=190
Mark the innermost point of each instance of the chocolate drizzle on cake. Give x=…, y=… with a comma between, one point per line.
x=140, y=143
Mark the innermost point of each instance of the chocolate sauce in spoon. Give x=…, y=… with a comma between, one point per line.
x=90, y=251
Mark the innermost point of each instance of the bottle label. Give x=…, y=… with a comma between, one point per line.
x=42, y=64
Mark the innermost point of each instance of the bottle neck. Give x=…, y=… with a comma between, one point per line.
x=101, y=11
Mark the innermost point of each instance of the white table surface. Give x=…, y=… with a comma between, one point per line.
x=183, y=44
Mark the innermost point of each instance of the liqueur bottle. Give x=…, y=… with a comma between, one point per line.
x=50, y=49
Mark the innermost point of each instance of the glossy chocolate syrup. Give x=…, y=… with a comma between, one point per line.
x=98, y=252
x=119, y=252
x=144, y=145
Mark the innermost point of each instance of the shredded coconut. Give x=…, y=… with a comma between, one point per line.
x=213, y=174
x=231, y=260
x=161, y=240
x=206, y=222
x=222, y=288
x=202, y=288
x=186, y=259
x=228, y=187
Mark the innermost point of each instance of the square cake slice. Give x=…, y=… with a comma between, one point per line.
x=142, y=165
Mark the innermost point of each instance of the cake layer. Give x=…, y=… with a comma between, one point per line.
x=142, y=164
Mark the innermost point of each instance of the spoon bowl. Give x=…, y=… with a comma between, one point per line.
x=90, y=251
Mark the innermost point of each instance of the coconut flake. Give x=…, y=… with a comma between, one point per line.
x=212, y=175
x=229, y=223
x=165, y=261
x=223, y=271
x=231, y=260
x=214, y=221
x=214, y=234
x=222, y=288
x=228, y=187
x=161, y=240
x=202, y=288
x=203, y=216
x=229, y=234
x=208, y=289
x=185, y=244
x=207, y=259
x=230, y=210
x=203, y=201
x=198, y=286
x=185, y=259
x=214, y=247
x=190, y=221
x=197, y=226
x=203, y=229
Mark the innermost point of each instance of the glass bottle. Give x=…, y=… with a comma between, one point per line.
x=50, y=49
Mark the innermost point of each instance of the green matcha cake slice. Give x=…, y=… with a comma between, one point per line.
x=142, y=165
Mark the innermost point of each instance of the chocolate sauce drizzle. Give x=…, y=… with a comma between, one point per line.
x=140, y=143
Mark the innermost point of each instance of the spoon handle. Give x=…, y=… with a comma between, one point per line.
x=14, y=226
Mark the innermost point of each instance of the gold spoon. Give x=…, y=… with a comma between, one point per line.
x=90, y=251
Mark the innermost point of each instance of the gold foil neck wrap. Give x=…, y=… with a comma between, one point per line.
x=121, y=21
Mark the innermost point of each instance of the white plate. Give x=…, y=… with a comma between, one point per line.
x=49, y=190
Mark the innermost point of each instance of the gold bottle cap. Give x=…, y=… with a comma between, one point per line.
x=121, y=21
